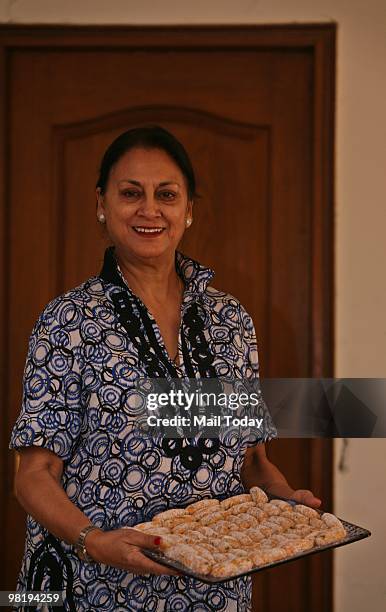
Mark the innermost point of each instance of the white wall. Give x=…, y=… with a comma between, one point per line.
x=360, y=492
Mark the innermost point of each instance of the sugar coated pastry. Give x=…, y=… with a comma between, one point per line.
x=169, y=514
x=207, y=532
x=171, y=523
x=303, y=530
x=271, y=542
x=240, y=508
x=242, y=538
x=192, y=537
x=244, y=564
x=257, y=558
x=258, y=495
x=294, y=547
x=152, y=529
x=180, y=552
x=267, y=529
x=270, y=509
x=201, y=512
x=202, y=551
x=291, y=535
x=169, y=540
x=245, y=521
x=224, y=569
x=231, y=537
x=212, y=517
x=240, y=553
x=183, y=527
x=221, y=527
x=255, y=534
x=200, y=566
x=281, y=504
x=142, y=526
x=220, y=557
x=202, y=505
x=283, y=522
x=231, y=567
x=301, y=545
x=300, y=518
x=307, y=511
x=258, y=513
x=289, y=515
x=237, y=499
x=226, y=544
x=334, y=534
x=272, y=526
x=183, y=554
x=209, y=546
x=270, y=555
x=330, y=520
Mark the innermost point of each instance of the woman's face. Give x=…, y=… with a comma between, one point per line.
x=146, y=190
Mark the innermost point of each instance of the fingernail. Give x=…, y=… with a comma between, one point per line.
x=157, y=541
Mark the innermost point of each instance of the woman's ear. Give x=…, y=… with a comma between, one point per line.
x=100, y=209
x=190, y=208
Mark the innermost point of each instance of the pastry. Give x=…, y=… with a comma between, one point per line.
x=168, y=514
x=202, y=505
x=238, y=534
x=258, y=495
x=232, y=501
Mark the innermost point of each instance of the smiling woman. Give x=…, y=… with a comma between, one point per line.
x=77, y=433
x=147, y=206
x=145, y=196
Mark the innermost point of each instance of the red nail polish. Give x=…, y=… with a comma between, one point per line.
x=157, y=541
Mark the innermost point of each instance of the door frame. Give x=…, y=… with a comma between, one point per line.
x=320, y=39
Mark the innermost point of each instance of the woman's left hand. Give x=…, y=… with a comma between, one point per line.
x=257, y=470
x=306, y=497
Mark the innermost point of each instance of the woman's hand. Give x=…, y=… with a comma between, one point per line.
x=306, y=497
x=257, y=470
x=122, y=548
x=39, y=479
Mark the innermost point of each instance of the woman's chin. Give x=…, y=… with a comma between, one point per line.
x=144, y=251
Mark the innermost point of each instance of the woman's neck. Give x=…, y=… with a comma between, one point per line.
x=155, y=283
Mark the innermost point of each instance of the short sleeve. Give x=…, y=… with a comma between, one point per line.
x=51, y=410
x=260, y=412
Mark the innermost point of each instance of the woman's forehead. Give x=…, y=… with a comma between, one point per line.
x=140, y=164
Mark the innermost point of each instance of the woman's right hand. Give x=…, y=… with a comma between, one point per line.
x=122, y=548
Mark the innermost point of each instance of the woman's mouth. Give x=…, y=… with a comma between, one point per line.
x=148, y=231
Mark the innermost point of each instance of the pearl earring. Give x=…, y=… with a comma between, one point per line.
x=101, y=218
x=188, y=222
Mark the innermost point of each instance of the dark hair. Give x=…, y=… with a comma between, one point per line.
x=148, y=137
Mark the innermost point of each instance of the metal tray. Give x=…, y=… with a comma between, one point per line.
x=354, y=533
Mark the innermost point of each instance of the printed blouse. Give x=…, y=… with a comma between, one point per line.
x=86, y=351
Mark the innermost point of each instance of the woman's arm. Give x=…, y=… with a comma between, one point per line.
x=39, y=491
x=257, y=470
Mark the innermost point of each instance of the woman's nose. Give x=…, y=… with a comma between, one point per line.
x=149, y=206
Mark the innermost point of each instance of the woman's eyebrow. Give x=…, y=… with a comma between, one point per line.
x=128, y=180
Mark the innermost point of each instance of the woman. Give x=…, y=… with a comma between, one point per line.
x=86, y=470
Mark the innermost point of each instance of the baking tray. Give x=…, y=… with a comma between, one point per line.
x=354, y=533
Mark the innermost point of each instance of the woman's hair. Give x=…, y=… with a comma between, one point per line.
x=148, y=137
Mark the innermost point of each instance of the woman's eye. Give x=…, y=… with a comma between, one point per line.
x=167, y=195
x=131, y=193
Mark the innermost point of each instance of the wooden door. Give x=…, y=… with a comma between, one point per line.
x=254, y=108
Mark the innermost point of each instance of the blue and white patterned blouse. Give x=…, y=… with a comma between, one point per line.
x=86, y=351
